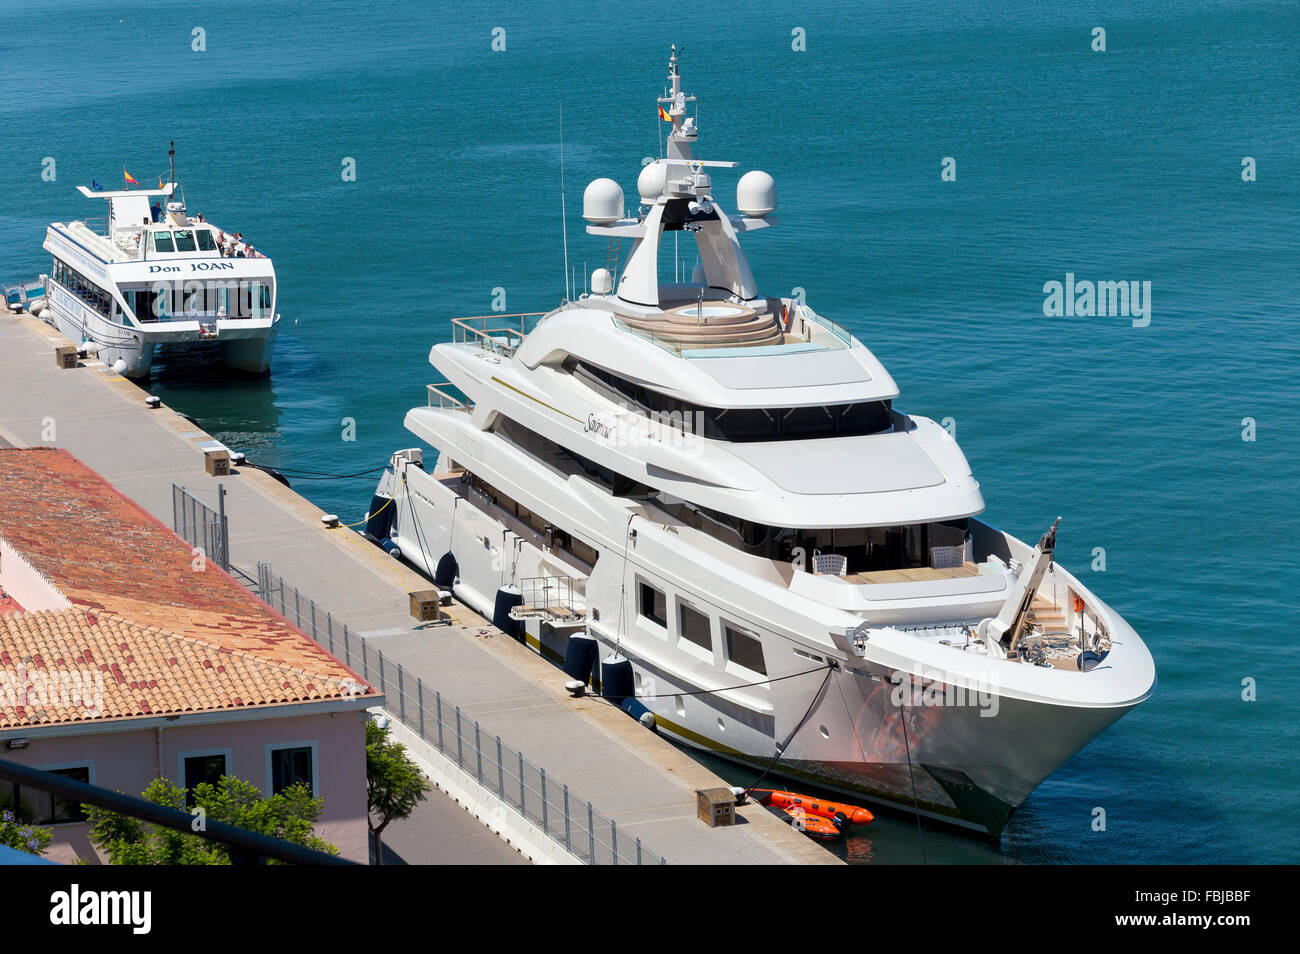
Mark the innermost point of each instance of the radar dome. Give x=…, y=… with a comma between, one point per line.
x=602, y=203
x=602, y=282
x=651, y=182
x=756, y=194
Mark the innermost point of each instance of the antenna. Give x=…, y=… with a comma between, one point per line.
x=171, y=155
x=564, y=218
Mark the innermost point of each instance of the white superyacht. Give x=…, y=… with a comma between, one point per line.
x=714, y=489
x=152, y=274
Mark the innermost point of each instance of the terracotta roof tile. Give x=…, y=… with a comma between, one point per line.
x=141, y=613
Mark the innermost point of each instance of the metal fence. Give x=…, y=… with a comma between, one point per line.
x=565, y=817
x=201, y=526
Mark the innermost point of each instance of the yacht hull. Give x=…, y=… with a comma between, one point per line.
x=968, y=764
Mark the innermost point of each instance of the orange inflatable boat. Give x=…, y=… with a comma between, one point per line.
x=815, y=816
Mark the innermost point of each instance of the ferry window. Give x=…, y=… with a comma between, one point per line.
x=654, y=605
x=744, y=650
x=185, y=240
x=206, y=242
x=695, y=627
x=162, y=242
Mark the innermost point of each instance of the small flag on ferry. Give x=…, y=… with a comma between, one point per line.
x=96, y=186
x=130, y=179
x=663, y=114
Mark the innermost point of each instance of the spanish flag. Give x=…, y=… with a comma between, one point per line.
x=130, y=179
x=663, y=114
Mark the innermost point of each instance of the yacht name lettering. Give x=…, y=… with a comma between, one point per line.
x=599, y=427
x=195, y=267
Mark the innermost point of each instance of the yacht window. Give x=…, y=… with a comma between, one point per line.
x=206, y=242
x=741, y=424
x=654, y=605
x=162, y=242
x=744, y=650
x=695, y=627
x=185, y=241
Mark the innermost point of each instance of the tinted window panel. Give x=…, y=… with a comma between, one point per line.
x=654, y=606
x=695, y=627
x=745, y=650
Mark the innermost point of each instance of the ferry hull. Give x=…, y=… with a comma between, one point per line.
x=244, y=345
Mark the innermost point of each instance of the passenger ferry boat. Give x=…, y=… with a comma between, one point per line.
x=155, y=275
x=716, y=489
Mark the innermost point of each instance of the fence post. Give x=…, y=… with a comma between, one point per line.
x=613, y=839
x=545, y=827
x=437, y=698
x=383, y=686
x=638, y=851
x=401, y=694
x=501, y=773
x=222, y=530
x=297, y=611
x=523, y=804
x=460, y=748
x=478, y=753
x=311, y=608
x=419, y=700
x=329, y=629
x=566, y=819
x=591, y=836
x=347, y=650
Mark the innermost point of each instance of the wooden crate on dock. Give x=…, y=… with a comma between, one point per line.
x=65, y=356
x=424, y=605
x=717, y=806
x=217, y=463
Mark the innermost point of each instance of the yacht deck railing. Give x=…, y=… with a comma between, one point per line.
x=446, y=400
x=500, y=334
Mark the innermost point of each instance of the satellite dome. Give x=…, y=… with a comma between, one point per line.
x=602, y=282
x=602, y=203
x=756, y=194
x=651, y=182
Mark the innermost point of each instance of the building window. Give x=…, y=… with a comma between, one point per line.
x=654, y=605
x=291, y=766
x=695, y=627
x=203, y=768
x=745, y=650
x=33, y=806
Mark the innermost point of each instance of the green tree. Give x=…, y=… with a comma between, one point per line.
x=29, y=838
x=289, y=815
x=394, y=783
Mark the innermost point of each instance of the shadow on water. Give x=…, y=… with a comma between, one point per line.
x=238, y=409
x=892, y=838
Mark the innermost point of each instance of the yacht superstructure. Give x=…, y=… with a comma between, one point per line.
x=153, y=275
x=716, y=487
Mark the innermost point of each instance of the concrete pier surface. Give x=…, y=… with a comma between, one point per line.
x=633, y=776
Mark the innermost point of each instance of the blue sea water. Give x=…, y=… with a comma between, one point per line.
x=1116, y=165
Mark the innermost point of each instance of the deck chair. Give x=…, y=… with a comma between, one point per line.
x=829, y=564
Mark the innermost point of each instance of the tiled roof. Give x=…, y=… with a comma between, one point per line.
x=111, y=558
x=59, y=667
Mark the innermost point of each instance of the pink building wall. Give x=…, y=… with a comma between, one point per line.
x=127, y=761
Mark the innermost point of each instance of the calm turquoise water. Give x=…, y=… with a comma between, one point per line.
x=1123, y=165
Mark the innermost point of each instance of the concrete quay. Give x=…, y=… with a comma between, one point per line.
x=642, y=782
